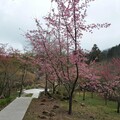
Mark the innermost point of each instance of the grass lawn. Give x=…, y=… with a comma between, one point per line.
x=92, y=108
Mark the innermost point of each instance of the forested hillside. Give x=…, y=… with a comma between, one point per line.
x=98, y=55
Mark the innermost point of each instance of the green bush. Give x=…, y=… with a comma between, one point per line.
x=5, y=101
x=2, y=102
x=8, y=100
x=61, y=93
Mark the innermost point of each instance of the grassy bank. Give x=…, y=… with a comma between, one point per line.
x=92, y=108
x=4, y=102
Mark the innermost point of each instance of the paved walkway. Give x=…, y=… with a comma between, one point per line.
x=35, y=92
x=17, y=109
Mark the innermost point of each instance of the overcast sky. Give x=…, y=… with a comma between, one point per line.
x=17, y=16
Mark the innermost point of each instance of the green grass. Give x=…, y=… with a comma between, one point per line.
x=29, y=95
x=92, y=108
x=6, y=101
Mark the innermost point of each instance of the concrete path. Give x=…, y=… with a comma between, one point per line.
x=17, y=109
x=35, y=92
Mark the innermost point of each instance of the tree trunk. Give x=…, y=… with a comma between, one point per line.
x=46, y=87
x=1, y=90
x=118, y=106
x=8, y=90
x=21, y=88
x=53, y=89
x=105, y=96
x=3, y=84
x=92, y=94
x=70, y=104
x=83, y=94
x=79, y=93
x=22, y=81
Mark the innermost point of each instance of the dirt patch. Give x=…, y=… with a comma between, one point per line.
x=45, y=108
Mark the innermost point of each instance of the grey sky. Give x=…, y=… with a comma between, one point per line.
x=15, y=14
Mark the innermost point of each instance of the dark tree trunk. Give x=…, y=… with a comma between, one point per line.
x=70, y=104
x=53, y=88
x=118, y=106
x=79, y=93
x=92, y=94
x=46, y=86
x=8, y=89
x=21, y=88
x=22, y=81
x=3, y=84
x=105, y=97
x=1, y=90
x=9, y=92
x=83, y=94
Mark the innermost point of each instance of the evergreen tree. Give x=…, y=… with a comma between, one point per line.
x=94, y=54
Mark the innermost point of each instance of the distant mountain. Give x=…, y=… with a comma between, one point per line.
x=113, y=52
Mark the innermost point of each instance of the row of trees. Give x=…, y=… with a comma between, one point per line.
x=109, y=83
x=109, y=64
x=13, y=70
x=107, y=68
x=57, y=48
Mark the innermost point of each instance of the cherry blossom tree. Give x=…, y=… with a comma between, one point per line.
x=8, y=69
x=106, y=82
x=116, y=72
x=91, y=80
x=25, y=64
x=60, y=42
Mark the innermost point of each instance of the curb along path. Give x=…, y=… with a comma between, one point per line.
x=17, y=109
